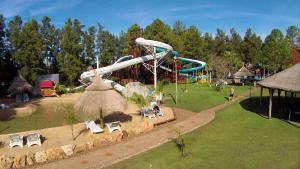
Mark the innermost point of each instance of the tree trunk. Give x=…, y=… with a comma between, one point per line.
x=72, y=129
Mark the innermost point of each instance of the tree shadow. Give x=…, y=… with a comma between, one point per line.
x=172, y=97
x=280, y=109
x=83, y=130
x=117, y=116
x=7, y=114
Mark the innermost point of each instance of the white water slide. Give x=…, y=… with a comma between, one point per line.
x=148, y=44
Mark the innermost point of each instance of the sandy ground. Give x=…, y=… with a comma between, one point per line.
x=58, y=136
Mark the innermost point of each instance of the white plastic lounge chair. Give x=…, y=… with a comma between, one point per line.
x=33, y=139
x=151, y=116
x=152, y=104
x=94, y=128
x=15, y=140
x=113, y=126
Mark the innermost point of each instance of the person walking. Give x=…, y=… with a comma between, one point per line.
x=231, y=94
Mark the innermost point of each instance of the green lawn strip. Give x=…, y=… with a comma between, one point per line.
x=199, y=96
x=35, y=121
x=237, y=138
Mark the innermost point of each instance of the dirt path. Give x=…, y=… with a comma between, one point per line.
x=187, y=121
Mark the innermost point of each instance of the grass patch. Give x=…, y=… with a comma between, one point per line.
x=237, y=138
x=42, y=118
x=199, y=96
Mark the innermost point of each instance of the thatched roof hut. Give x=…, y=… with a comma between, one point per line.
x=287, y=80
x=242, y=72
x=20, y=85
x=98, y=97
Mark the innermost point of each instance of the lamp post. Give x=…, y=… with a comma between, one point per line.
x=176, y=92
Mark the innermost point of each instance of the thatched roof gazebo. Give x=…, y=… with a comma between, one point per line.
x=20, y=85
x=242, y=72
x=98, y=100
x=287, y=80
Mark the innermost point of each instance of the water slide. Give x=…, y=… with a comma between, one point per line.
x=185, y=71
x=121, y=64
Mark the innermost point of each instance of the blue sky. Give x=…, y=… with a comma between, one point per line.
x=208, y=15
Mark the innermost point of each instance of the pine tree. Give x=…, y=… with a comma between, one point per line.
x=220, y=42
x=159, y=31
x=276, y=51
x=89, y=46
x=293, y=35
x=252, y=48
x=179, y=31
x=209, y=44
x=235, y=43
x=193, y=44
x=50, y=37
x=7, y=68
x=106, y=43
x=29, y=55
x=69, y=61
x=133, y=32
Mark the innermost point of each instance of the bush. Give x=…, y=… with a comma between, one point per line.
x=60, y=89
x=139, y=100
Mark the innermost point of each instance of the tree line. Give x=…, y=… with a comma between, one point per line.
x=35, y=48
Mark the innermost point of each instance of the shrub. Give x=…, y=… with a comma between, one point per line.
x=139, y=100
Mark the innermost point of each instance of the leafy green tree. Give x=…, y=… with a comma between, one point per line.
x=7, y=68
x=276, y=50
x=193, y=44
x=234, y=61
x=14, y=29
x=235, y=43
x=159, y=31
x=293, y=35
x=179, y=31
x=106, y=43
x=209, y=44
x=30, y=49
x=69, y=61
x=50, y=37
x=220, y=42
x=89, y=46
x=133, y=32
x=252, y=48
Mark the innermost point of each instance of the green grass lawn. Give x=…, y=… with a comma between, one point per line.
x=198, y=96
x=40, y=119
x=236, y=139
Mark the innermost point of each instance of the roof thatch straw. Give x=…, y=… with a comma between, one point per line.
x=20, y=85
x=288, y=80
x=98, y=97
x=242, y=72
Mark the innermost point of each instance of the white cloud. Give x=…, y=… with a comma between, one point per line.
x=62, y=4
x=194, y=7
x=11, y=8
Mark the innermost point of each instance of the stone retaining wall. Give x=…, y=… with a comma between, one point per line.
x=57, y=153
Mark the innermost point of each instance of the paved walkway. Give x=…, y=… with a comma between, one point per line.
x=123, y=150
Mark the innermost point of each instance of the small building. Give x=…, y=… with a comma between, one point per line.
x=242, y=74
x=20, y=89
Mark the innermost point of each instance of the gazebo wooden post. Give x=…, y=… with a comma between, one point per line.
x=279, y=92
x=261, y=92
x=101, y=118
x=271, y=91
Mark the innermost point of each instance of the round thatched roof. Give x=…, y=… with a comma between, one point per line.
x=288, y=80
x=98, y=96
x=242, y=72
x=19, y=85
